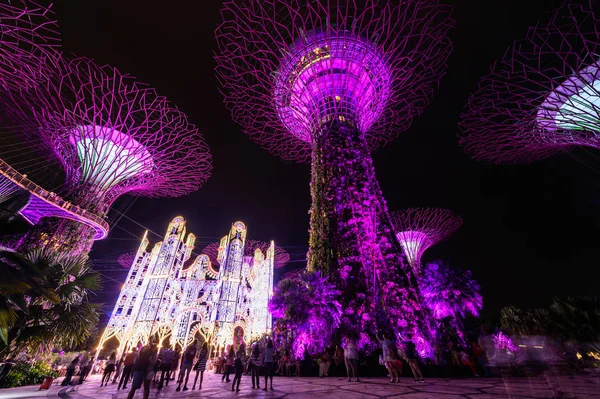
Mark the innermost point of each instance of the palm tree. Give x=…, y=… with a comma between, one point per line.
x=56, y=310
x=307, y=307
x=450, y=296
x=448, y=292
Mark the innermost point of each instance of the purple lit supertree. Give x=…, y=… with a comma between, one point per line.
x=27, y=30
x=327, y=82
x=543, y=97
x=112, y=136
x=281, y=256
x=418, y=229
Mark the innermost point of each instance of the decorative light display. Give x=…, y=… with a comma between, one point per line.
x=167, y=295
x=418, y=229
x=280, y=259
x=112, y=136
x=328, y=82
x=543, y=97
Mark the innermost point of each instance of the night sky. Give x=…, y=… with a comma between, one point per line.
x=530, y=231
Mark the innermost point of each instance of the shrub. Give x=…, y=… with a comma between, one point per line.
x=24, y=373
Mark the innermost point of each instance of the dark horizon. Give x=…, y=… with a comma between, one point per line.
x=529, y=230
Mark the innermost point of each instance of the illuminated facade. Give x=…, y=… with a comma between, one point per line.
x=175, y=296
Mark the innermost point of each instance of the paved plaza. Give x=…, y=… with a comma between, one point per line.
x=314, y=388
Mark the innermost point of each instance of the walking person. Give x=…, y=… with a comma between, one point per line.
x=70, y=371
x=238, y=366
x=187, y=362
x=255, y=366
x=128, y=363
x=324, y=364
x=387, y=346
x=175, y=363
x=166, y=363
x=118, y=369
x=200, y=366
x=268, y=361
x=351, y=359
x=143, y=370
x=85, y=365
x=411, y=356
x=109, y=369
x=465, y=360
x=228, y=365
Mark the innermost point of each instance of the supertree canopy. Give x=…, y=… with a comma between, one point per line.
x=543, y=97
x=112, y=136
x=281, y=256
x=420, y=228
x=27, y=31
x=328, y=81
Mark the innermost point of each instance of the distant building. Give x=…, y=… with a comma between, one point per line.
x=175, y=297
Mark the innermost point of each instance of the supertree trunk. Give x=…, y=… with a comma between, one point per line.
x=60, y=236
x=351, y=235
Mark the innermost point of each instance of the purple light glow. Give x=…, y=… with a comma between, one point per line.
x=140, y=143
x=418, y=229
x=326, y=77
x=329, y=82
x=414, y=243
x=449, y=293
x=113, y=136
x=504, y=342
x=284, y=63
x=543, y=97
x=27, y=31
x=47, y=204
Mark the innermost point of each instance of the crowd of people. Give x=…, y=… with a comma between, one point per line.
x=265, y=359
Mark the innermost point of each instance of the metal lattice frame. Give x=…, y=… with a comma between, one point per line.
x=27, y=30
x=543, y=97
x=114, y=135
x=289, y=66
x=281, y=256
x=418, y=229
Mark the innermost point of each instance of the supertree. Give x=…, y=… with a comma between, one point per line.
x=543, y=97
x=327, y=82
x=281, y=256
x=112, y=136
x=418, y=229
x=27, y=30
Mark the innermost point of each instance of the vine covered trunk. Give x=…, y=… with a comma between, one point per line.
x=59, y=235
x=352, y=239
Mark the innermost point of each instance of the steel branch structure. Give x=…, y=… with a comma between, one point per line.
x=328, y=81
x=27, y=30
x=280, y=257
x=543, y=97
x=418, y=229
x=112, y=136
